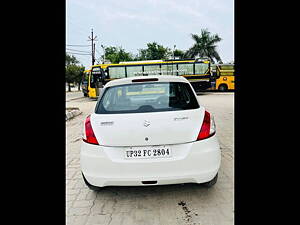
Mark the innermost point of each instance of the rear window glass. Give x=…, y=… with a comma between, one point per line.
x=147, y=97
x=227, y=67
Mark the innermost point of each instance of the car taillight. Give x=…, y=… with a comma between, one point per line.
x=89, y=133
x=208, y=127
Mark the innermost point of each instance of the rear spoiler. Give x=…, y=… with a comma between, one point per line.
x=144, y=80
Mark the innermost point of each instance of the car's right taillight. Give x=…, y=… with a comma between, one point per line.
x=208, y=127
x=89, y=136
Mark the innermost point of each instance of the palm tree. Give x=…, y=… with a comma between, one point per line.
x=205, y=46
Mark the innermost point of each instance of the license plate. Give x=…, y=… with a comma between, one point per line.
x=148, y=152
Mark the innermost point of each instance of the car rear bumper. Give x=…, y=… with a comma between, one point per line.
x=195, y=162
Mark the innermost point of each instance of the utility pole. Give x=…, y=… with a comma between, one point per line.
x=103, y=53
x=174, y=52
x=93, y=46
x=94, y=53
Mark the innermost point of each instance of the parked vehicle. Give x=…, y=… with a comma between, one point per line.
x=223, y=77
x=85, y=83
x=149, y=131
x=197, y=71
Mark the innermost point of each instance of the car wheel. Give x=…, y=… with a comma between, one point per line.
x=222, y=88
x=91, y=187
x=212, y=182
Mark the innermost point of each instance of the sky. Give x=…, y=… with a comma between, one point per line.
x=132, y=24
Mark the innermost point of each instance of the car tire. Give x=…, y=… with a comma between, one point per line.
x=212, y=182
x=91, y=187
x=223, y=87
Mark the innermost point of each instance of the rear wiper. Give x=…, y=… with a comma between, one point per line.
x=147, y=108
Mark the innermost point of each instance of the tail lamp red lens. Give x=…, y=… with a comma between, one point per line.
x=208, y=128
x=89, y=133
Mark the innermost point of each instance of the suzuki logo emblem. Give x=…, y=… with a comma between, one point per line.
x=146, y=123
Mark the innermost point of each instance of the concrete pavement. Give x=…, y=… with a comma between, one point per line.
x=187, y=204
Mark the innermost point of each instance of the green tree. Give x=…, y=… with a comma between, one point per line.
x=154, y=51
x=179, y=53
x=73, y=72
x=117, y=54
x=205, y=46
x=79, y=76
x=70, y=59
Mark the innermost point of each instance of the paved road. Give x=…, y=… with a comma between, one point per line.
x=73, y=95
x=188, y=204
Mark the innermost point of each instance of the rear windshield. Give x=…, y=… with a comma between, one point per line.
x=227, y=67
x=147, y=97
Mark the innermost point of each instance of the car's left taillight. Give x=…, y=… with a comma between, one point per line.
x=89, y=136
x=208, y=127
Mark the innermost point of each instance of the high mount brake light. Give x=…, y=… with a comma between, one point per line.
x=89, y=133
x=144, y=80
x=208, y=127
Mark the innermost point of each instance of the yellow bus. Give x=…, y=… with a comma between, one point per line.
x=91, y=85
x=223, y=76
x=97, y=79
x=197, y=71
x=85, y=82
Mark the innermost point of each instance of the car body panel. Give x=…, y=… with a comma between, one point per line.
x=195, y=162
x=190, y=160
x=136, y=129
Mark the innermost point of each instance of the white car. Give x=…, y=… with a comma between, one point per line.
x=149, y=131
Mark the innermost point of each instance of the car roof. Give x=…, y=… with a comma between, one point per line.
x=161, y=78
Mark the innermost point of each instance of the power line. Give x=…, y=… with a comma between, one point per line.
x=80, y=45
x=84, y=59
x=77, y=50
x=76, y=53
